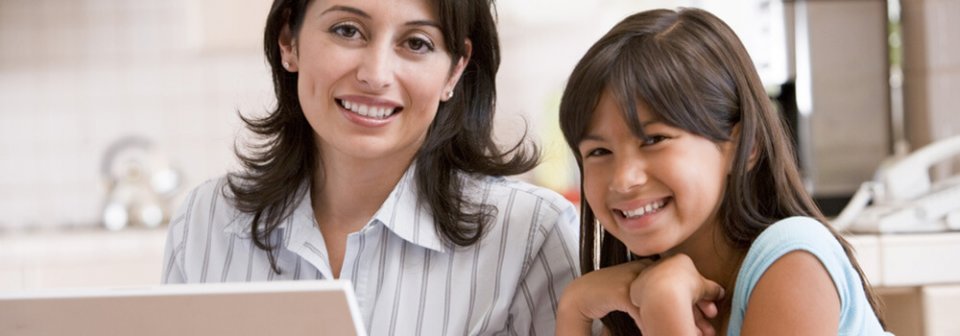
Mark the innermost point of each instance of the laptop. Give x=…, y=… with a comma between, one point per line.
x=316, y=307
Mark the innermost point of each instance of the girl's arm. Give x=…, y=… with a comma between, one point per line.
x=596, y=294
x=674, y=299
x=795, y=296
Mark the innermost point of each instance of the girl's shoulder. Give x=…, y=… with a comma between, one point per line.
x=792, y=231
x=788, y=235
x=808, y=235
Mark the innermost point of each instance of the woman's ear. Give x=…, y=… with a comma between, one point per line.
x=457, y=71
x=288, y=49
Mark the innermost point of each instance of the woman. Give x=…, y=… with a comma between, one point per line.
x=378, y=166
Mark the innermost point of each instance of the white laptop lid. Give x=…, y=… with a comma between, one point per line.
x=322, y=307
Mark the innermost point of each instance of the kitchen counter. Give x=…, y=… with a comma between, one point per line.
x=80, y=258
x=916, y=274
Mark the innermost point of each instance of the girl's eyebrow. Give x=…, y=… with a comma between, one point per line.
x=591, y=137
x=644, y=124
x=595, y=137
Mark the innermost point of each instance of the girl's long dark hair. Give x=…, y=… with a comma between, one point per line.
x=458, y=141
x=691, y=70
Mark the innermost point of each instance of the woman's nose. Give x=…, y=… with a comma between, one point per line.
x=375, y=70
x=629, y=174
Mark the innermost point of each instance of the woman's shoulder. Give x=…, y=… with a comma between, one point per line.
x=519, y=202
x=498, y=187
x=208, y=204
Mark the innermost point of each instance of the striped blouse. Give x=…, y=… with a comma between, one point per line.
x=407, y=280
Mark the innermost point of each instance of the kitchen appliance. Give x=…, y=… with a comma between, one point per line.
x=140, y=183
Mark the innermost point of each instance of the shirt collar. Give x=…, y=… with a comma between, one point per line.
x=302, y=215
x=401, y=213
x=407, y=217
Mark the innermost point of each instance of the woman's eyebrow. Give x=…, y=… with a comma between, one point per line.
x=361, y=13
x=419, y=23
x=347, y=9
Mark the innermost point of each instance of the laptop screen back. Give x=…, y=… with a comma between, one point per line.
x=268, y=308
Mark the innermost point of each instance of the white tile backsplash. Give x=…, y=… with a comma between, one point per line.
x=75, y=76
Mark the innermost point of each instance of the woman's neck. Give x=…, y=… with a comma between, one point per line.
x=347, y=192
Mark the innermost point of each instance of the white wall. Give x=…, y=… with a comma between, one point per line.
x=76, y=75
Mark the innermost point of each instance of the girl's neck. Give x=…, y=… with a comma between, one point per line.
x=719, y=261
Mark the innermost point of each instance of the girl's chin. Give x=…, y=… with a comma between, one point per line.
x=645, y=248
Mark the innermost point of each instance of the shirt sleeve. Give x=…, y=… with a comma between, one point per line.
x=534, y=308
x=172, y=262
x=174, y=247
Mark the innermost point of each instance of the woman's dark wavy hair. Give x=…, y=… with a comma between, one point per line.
x=458, y=141
x=690, y=68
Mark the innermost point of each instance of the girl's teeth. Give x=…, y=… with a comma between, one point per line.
x=643, y=210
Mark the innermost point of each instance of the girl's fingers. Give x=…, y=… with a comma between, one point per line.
x=703, y=325
x=711, y=291
x=634, y=313
x=708, y=308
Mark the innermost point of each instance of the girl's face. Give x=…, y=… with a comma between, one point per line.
x=658, y=194
x=371, y=75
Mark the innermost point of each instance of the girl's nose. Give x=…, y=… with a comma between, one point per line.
x=630, y=173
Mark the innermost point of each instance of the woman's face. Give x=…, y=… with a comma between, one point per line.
x=658, y=194
x=371, y=75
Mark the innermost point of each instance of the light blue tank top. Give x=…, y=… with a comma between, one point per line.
x=807, y=234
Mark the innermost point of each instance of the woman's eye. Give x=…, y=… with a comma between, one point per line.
x=420, y=45
x=346, y=31
x=653, y=140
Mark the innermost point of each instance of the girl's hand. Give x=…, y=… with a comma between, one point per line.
x=596, y=294
x=674, y=299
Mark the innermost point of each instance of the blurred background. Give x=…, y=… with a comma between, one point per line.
x=111, y=110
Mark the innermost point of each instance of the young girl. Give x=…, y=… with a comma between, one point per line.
x=377, y=166
x=687, y=168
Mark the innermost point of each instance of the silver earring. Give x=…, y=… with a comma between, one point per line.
x=286, y=65
x=449, y=94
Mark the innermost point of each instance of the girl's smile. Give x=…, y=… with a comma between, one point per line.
x=658, y=191
x=634, y=218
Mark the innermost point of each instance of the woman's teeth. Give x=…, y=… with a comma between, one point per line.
x=368, y=111
x=650, y=207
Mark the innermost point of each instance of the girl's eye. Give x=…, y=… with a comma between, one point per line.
x=420, y=45
x=596, y=152
x=653, y=140
x=347, y=31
